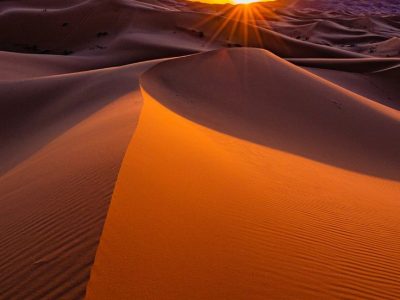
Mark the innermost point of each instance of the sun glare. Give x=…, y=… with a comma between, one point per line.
x=244, y=1
x=247, y=1
x=241, y=24
x=233, y=2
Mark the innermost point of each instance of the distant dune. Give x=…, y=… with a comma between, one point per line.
x=164, y=149
x=366, y=7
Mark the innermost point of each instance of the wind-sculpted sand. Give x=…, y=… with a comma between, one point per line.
x=147, y=153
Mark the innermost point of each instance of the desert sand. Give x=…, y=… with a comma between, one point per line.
x=184, y=150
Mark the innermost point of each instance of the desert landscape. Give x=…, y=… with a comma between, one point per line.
x=171, y=149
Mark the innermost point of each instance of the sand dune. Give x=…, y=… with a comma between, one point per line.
x=205, y=214
x=248, y=173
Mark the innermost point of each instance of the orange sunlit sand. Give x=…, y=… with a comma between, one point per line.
x=167, y=149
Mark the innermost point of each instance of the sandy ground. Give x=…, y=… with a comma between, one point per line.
x=137, y=153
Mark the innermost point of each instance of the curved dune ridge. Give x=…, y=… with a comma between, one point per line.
x=201, y=211
x=135, y=150
x=260, y=97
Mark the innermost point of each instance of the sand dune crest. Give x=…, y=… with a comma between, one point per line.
x=260, y=97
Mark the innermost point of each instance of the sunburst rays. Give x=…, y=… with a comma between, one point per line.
x=238, y=25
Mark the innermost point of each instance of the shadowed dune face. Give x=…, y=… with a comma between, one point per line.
x=37, y=111
x=379, y=86
x=257, y=96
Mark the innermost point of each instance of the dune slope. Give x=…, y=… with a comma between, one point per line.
x=60, y=156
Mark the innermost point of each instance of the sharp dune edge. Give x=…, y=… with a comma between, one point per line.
x=58, y=172
x=139, y=160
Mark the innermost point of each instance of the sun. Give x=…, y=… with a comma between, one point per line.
x=238, y=2
x=244, y=1
x=241, y=23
